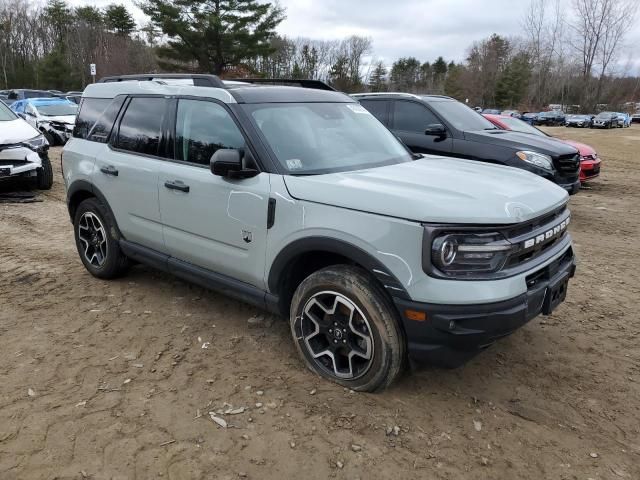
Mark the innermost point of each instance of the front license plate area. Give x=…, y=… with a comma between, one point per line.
x=556, y=293
x=5, y=172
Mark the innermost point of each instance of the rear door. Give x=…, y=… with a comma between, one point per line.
x=213, y=222
x=127, y=172
x=410, y=120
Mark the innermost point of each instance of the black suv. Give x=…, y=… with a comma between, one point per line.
x=437, y=124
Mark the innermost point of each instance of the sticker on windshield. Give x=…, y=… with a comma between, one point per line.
x=294, y=164
x=357, y=108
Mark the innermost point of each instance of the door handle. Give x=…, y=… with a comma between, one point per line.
x=177, y=185
x=109, y=170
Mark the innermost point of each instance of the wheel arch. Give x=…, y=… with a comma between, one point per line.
x=300, y=258
x=79, y=191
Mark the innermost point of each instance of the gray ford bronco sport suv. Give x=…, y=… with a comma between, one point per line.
x=299, y=201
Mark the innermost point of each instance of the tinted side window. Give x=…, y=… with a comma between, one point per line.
x=141, y=126
x=103, y=126
x=378, y=109
x=90, y=111
x=201, y=129
x=412, y=117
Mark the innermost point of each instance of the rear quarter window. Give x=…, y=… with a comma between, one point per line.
x=104, y=125
x=90, y=110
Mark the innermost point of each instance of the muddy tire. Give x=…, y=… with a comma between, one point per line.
x=346, y=329
x=44, y=175
x=96, y=235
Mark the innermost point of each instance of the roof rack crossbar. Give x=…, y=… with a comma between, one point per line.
x=199, y=79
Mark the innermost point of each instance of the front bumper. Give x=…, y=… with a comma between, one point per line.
x=571, y=187
x=589, y=169
x=19, y=161
x=452, y=334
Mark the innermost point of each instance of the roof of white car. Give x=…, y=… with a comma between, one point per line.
x=234, y=92
x=113, y=89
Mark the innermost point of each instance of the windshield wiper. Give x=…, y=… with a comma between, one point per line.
x=491, y=128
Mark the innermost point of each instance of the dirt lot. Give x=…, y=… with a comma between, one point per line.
x=111, y=380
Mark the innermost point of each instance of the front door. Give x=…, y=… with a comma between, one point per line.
x=410, y=120
x=210, y=221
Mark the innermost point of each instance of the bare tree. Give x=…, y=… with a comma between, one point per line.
x=599, y=31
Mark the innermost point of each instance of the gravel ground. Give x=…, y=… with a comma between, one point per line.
x=113, y=380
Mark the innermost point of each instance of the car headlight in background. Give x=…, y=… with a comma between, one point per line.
x=466, y=253
x=36, y=143
x=537, y=159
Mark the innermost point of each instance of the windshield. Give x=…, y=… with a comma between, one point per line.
x=315, y=138
x=461, y=117
x=6, y=114
x=58, y=109
x=520, y=126
x=604, y=115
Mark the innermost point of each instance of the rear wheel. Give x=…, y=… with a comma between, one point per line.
x=44, y=175
x=346, y=329
x=95, y=234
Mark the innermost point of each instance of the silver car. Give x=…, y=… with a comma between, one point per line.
x=301, y=202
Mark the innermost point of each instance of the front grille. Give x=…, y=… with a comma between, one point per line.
x=15, y=163
x=567, y=164
x=545, y=274
x=537, y=229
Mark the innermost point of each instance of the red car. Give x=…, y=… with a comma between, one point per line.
x=589, y=160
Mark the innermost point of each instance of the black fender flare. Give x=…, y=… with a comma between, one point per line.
x=86, y=186
x=340, y=247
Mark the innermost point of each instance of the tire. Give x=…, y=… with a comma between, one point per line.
x=44, y=175
x=50, y=139
x=98, y=245
x=373, y=332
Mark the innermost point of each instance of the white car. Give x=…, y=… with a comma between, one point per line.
x=54, y=117
x=23, y=151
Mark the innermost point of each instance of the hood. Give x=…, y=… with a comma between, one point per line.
x=585, y=150
x=68, y=119
x=437, y=190
x=521, y=141
x=16, y=131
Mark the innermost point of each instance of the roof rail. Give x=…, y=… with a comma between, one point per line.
x=398, y=93
x=294, y=82
x=385, y=93
x=199, y=79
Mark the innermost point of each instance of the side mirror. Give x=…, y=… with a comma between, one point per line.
x=436, y=130
x=227, y=162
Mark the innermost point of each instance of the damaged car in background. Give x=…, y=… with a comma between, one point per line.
x=53, y=117
x=23, y=151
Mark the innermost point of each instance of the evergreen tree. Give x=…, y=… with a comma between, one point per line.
x=215, y=33
x=377, y=79
x=513, y=83
x=119, y=20
x=88, y=15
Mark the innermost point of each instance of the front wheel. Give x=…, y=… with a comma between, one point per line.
x=50, y=139
x=44, y=175
x=346, y=329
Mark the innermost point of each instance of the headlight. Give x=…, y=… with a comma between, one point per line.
x=36, y=143
x=459, y=254
x=538, y=159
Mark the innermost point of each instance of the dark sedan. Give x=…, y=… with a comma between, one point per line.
x=555, y=117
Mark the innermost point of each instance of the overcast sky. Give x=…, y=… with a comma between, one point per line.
x=421, y=28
